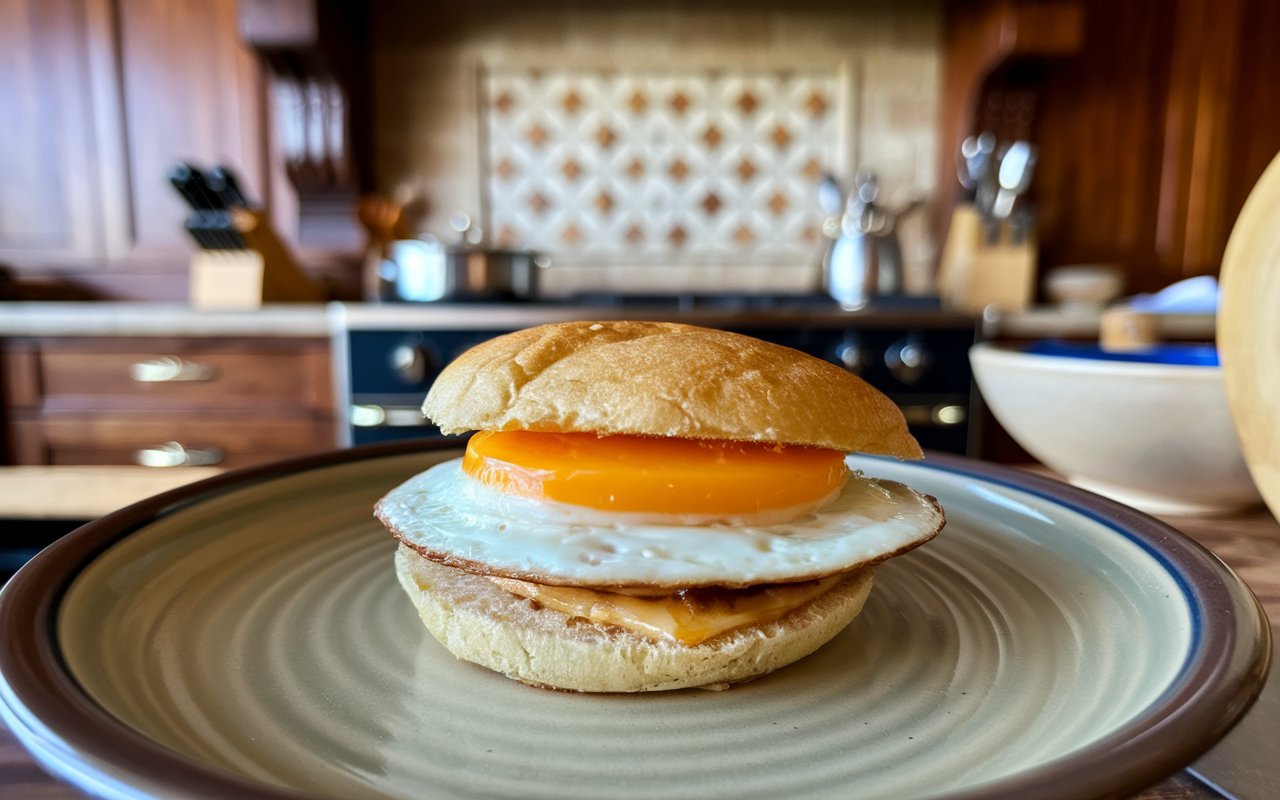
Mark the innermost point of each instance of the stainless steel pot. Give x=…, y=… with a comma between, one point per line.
x=426, y=271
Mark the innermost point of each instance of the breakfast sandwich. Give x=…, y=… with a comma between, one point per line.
x=649, y=506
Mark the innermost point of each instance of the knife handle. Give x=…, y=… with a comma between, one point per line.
x=223, y=182
x=191, y=184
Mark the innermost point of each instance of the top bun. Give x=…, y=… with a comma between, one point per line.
x=663, y=379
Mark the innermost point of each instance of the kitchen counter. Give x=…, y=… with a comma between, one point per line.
x=1250, y=543
x=705, y=311
x=159, y=319
x=82, y=493
x=313, y=320
x=1068, y=322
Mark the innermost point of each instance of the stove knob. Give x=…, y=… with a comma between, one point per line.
x=411, y=362
x=848, y=353
x=908, y=360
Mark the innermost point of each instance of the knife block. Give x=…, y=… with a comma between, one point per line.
x=978, y=270
x=263, y=272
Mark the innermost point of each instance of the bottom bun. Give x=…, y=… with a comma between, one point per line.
x=479, y=622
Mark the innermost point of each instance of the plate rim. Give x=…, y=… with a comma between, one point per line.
x=80, y=742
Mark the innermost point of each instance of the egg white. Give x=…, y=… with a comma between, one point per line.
x=445, y=513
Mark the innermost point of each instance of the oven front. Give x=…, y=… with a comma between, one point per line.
x=392, y=354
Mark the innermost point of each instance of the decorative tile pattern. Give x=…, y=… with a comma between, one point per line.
x=682, y=167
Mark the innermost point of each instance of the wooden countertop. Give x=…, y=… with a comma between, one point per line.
x=1249, y=543
x=82, y=493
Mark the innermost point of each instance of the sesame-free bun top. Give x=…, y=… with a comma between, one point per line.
x=663, y=379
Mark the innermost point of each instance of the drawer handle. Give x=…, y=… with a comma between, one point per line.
x=167, y=369
x=943, y=415
x=365, y=415
x=174, y=454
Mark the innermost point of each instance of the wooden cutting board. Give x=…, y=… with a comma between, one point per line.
x=1249, y=332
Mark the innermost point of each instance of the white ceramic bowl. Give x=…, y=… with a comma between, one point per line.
x=1156, y=436
x=1084, y=285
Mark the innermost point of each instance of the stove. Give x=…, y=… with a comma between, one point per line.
x=388, y=355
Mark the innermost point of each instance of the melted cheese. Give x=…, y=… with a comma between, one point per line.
x=689, y=617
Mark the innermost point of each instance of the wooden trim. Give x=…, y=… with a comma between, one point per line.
x=102, y=51
x=1192, y=226
x=980, y=40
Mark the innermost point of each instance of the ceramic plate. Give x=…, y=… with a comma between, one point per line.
x=246, y=635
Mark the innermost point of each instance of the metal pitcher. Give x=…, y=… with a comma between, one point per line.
x=864, y=259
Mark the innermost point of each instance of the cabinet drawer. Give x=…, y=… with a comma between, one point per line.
x=185, y=375
x=132, y=439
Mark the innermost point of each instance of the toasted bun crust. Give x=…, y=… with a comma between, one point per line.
x=478, y=622
x=663, y=379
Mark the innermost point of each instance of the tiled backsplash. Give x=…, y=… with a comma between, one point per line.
x=679, y=168
x=437, y=73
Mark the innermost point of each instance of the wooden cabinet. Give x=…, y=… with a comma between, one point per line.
x=168, y=402
x=192, y=91
x=1153, y=121
x=61, y=146
x=99, y=99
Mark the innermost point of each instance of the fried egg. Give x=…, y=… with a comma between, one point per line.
x=633, y=513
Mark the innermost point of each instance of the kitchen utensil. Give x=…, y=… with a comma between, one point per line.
x=865, y=260
x=477, y=272
x=225, y=185
x=214, y=230
x=265, y=605
x=830, y=195
x=1249, y=331
x=975, y=159
x=181, y=179
x=425, y=270
x=1016, y=168
x=383, y=220
x=191, y=184
x=209, y=224
x=968, y=148
x=989, y=257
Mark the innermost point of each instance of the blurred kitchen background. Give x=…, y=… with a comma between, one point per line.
x=686, y=138
x=237, y=230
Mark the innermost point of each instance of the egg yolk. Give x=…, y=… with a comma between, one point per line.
x=641, y=473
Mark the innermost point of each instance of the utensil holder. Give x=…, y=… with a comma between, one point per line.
x=263, y=272
x=983, y=267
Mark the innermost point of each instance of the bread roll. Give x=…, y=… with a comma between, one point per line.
x=664, y=379
x=481, y=623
